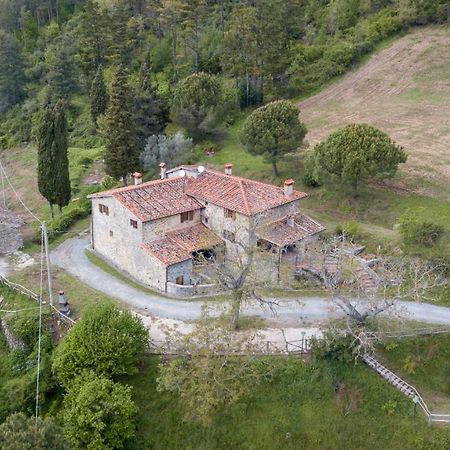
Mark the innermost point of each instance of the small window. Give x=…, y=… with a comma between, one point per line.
x=133, y=223
x=111, y=233
x=229, y=235
x=188, y=215
x=179, y=280
x=103, y=209
x=229, y=214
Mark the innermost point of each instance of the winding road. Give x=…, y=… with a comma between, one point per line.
x=71, y=257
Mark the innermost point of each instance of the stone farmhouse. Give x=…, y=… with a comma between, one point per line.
x=156, y=231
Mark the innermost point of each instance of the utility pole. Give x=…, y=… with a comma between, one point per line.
x=2, y=173
x=47, y=257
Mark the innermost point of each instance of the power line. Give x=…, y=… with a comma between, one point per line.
x=5, y=175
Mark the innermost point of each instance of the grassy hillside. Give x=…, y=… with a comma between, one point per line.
x=296, y=407
x=404, y=90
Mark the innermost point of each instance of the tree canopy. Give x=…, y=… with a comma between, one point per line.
x=20, y=432
x=121, y=155
x=194, y=97
x=105, y=340
x=98, y=413
x=358, y=152
x=273, y=130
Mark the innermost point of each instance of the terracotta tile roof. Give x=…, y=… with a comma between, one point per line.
x=162, y=198
x=155, y=199
x=195, y=237
x=239, y=194
x=167, y=251
x=177, y=245
x=9, y=218
x=281, y=233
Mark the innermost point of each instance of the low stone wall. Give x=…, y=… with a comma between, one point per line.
x=12, y=341
x=10, y=239
x=191, y=290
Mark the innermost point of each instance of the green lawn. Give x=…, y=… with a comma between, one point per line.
x=425, y=362
x=294, y=408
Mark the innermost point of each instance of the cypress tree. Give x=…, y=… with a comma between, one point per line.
x=46, y=157
x=98, y=95
x=60, y=144
x=151, y=111
x=121, y=154
x=53, y=163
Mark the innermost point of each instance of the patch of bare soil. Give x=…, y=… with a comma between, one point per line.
x=403, y=90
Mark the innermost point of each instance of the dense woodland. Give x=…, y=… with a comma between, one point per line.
x=256, y=51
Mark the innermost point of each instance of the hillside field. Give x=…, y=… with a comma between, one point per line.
x=404, y=90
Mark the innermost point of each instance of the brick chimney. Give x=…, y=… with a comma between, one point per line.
x=289, y=187
x=137, y=178
x=163, y=170
x=228, y=169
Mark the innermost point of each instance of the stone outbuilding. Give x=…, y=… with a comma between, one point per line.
x=10, y=232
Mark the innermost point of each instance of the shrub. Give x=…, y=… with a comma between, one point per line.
x=105, y=340
x=416, y=232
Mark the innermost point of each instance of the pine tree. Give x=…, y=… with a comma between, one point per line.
x=60, y=144
x=151, y=112
x=98, y=95
x=12, y=77
x=121, y=155
x=46, y=157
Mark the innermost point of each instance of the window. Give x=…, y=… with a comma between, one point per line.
x=133, y=223
x=103, y=209
x=229, y=214
x=229, y=235
x=111, y=234
x=188, y=215
x=179, y=280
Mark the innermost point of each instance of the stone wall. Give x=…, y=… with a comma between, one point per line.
x=10, y=238
x=155, y=228
x=12, y=341
x=119, y=243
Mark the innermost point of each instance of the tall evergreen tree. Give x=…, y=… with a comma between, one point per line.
x=151, y=111
x=12, y=77
x=46, y=157
x=60, y=144
x=121, y=155
x=98, y=95
x=53, y=164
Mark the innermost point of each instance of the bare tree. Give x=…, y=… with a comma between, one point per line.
x=364, y=289
x=213, y=367
x=239, y=272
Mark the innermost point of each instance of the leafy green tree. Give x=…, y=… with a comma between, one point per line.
x=12, y=76
x=20, y=432
x=358, y=152
x=121, y=42
x=98, y=413
x=273, y=130
x=194, y=97
x=122, y=153
x=421, y=233
x=98, y=95
x=60, y=144
x=151, y=111
x=105, y=340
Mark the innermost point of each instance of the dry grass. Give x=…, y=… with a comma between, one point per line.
x=405, y=91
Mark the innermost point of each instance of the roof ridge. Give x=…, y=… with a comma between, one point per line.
x=244, y=196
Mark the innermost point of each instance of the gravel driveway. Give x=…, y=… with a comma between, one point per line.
x=71, y=257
